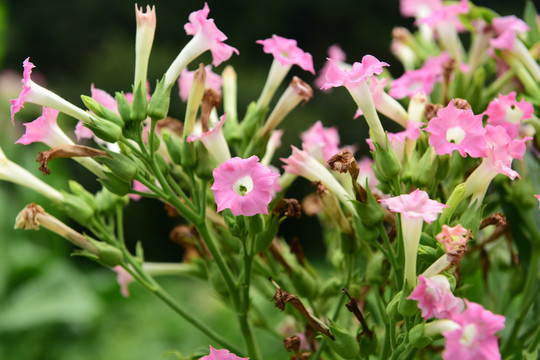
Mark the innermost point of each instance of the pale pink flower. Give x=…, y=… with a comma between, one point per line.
x=507, y=28
x=457, y=129
x=322, y=143
x=505, y=111
x=360, y=72
x=213, y=81
x=435, y=298
x=287, y=52
x=452, y=237
x=415, y=205
x=244, y=186
x=124, y=279
x=146, y=27
x=44, y=129
x=501, y=150
x=367, y=174
x=18, y=104
x=214, y=141
x=447, y=14
x=222, y=354
x=537, y=198
x=338, y=56
x=137, y=186
x=200, y=25
x=475, y=338
x=419, y=8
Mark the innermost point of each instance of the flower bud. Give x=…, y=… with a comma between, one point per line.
x=107, y=201
x=304, y=282
x=345, y=344
x=254, y=224
x=114, y=184
x=392, y=307
x=188, y=155
x=121, y=165
x=104, y=129
x=370, y=212
x=101, y=111
x=124, y=107
x=205, y=162
x=159, y=103
x=139, y=104
x=387, y=164
x=78, y=208
x=173, y=147
x=109, y=255
x=425, y=168
x=417, y=337
x=407, y=307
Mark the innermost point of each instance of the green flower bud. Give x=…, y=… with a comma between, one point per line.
x=254, y=224
x=101, y=111
x=370, y=212
x=108, y=255
x=304, y=283
x=159, y=103
x=407, y=307
x=417, y=337
x=78, y=208
x=253, y=120
x=162, y=164
x=392, y=308
x=81, y=192
x=205, y=162
x=114, y=184
x=139, y=104
x=173, y=147
x=331, y=287
x=188, y=155
x=425, y=168
x=124, y=107
x=345, y=343
x=386, y=162
x=104, y=129
x=120, y=164
x=107, y=201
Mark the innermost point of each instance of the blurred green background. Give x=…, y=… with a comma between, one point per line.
x=56, y=307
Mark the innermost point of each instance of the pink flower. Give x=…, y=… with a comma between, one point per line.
x=44, y=129
x=244, y=186
x=457, y=129
x=213, y=81
x=447, y=14
x=222, y=354
x=421, y=80
x=507, y=27
x=415, y=205
x=360, y=72
x=337, y=55
x=287, y=52
x=419, y=8
x=18, y=104
x=124, y=279
x=435, y=298
x=501, y=150
x=200, y=25
x=367, y=174
x=138, y=186
x=537, y=198
x=452, y=237
x=475, y=338
x=508, y=113
x=214, y=141
x=322, y=143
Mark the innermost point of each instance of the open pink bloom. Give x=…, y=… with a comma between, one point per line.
x=501, y=150
x=200, y=26
x=222, y=354
x=360, y=72
x=475, y=338
x=322, y=143
x=507, y=28
x=415, y=205
x=213, y=81
x=138, y=186
x=44, y=129
x=452, y=237
x=124, y=279
x=287, y=52
x=214, y=141
x=447, y=14
x=244, y=186
x=419, y=8
x=421, y=80
x=337, y=55
x=457, y=129
x=18, y=104
x=435, y=298
x=505, y=111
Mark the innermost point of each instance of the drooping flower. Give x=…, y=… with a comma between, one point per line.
x=287, y=52
x=507, y=112
x=435, y=298
x=213, y=81
x=206, y=36
x=415, y=208
x=33, y=93
x=452, y=237
x=475, y=338
x=222, y=354
x=244, y=186
x=457, y=129
x=322, y=143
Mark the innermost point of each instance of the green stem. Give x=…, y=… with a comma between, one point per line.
x=390, y=251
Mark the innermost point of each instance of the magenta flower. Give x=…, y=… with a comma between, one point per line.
x=222, y=354
x=45, y=129
x=452, y=237
x=447, y=14
x=475, y=338
x=435, y=298
x=244, y=186
x=322, y=143
x=505, y=111
x=213, y=81
x=501, y=150
x=338, y=56
x=507, y=28
x=287, y=52
x=414, y=208
x=457, y=129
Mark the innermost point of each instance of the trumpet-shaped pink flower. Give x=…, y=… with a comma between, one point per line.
x=44, y=129
x=360, y=72
x=287, y=52
x=244, y=186
x=214, y=141
x=457, y=129
x=501, y=150
x=322, y=143
x=507, y=28
x=435, y=298
x=415, y=205
x=419, y=8
x=200, y=25
x=18, y=104
x=447, y=14
x=452, y=237
x=475, y=338
x=338, y=56
x=222, y=354
x=213, y=81
x=505, y=111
